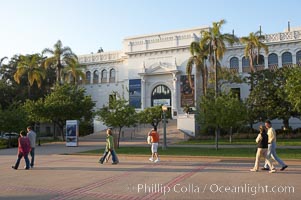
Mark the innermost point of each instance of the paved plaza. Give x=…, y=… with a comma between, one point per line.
x=61, y=174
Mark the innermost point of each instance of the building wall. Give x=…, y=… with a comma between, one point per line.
x=161, y=58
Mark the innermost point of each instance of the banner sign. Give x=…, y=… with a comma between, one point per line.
x=135, y=93
x=72, y=133
x=187, y=93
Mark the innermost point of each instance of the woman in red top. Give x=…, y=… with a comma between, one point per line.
x=23, y=150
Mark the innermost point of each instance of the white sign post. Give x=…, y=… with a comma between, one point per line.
x=72, y=133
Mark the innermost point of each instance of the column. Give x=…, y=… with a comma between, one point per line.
x=174, y=94
x=143, y=82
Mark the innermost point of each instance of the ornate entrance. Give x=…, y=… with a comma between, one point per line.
x=161, y=95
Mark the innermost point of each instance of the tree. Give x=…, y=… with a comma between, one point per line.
x=268, y=99
x=13, y=119
x=118, y=114
x=60, y=56
x=226, y=110
x=253, y=46
x=216, y=43
x=30, y=65
x=10, y=91
x=73, y=71
x=293, y=87
x=2, y=59
x=151, y=115
x=64, y=103
x=198, y=59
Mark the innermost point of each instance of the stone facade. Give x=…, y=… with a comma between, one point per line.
x=160, y=60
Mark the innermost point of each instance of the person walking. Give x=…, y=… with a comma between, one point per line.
x=23, y=150
x=109, y=148
x=272, y=147
x=154, y=144
x=262, y=148
x=32, y=138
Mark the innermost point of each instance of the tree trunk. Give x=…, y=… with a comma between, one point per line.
x=230, y=138
x=198, y=86
x=216, y=94
x=54, y=133
x=119, y=137
x=285, y=124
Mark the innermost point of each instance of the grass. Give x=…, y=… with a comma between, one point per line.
x=280, y=142
x=195, y=151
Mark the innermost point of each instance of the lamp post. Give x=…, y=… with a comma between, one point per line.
x=164, y=109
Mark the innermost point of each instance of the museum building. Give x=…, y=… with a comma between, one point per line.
x=151, y=69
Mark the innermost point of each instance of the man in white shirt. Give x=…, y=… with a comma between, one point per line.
x=272, y=146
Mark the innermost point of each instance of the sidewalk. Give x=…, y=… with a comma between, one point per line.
x=78, y=177
x=61, y=176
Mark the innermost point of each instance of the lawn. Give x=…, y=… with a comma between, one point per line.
x=195, y=151
x=280, y=142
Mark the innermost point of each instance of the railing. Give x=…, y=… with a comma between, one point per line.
x=259, y=67
x=100, y=57
x=104, y=80
x=273, y=67
x=95, y=81
x=234, y=69
x=287, y=64
x=292, y=35
x=112, y=80
x=246, y=69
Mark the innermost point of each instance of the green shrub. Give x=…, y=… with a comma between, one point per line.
x=13, y=142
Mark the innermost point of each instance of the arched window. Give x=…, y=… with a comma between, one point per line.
x=259, y=62
x=245, y=65
x=245, y=62
x=287, y=59
x=88, y=77
x=112, y=75
x=234, y=63
x=104, y=76
x=273, y=61
x=298, y=58
x=95, y=77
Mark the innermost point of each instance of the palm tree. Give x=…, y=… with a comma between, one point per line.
x=216, y=43
x=60, y=56
x=253, y=46
x=198, y=59
x=73, y=71
x=1, y=60
x=31, y=65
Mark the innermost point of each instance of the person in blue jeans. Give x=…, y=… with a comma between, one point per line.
x=32, y=138
x=272, y=147
x=109, y=148
x=23, y=150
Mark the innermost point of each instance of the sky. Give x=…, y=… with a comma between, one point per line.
x=29, y=26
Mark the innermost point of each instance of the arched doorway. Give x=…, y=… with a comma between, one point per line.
x=161, y=95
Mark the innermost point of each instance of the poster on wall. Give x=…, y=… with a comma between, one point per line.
x=187, y=93
x=72, y=133
x=161, y=102
x=135, y=93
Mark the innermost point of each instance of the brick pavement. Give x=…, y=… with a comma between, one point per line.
x=58, y=177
